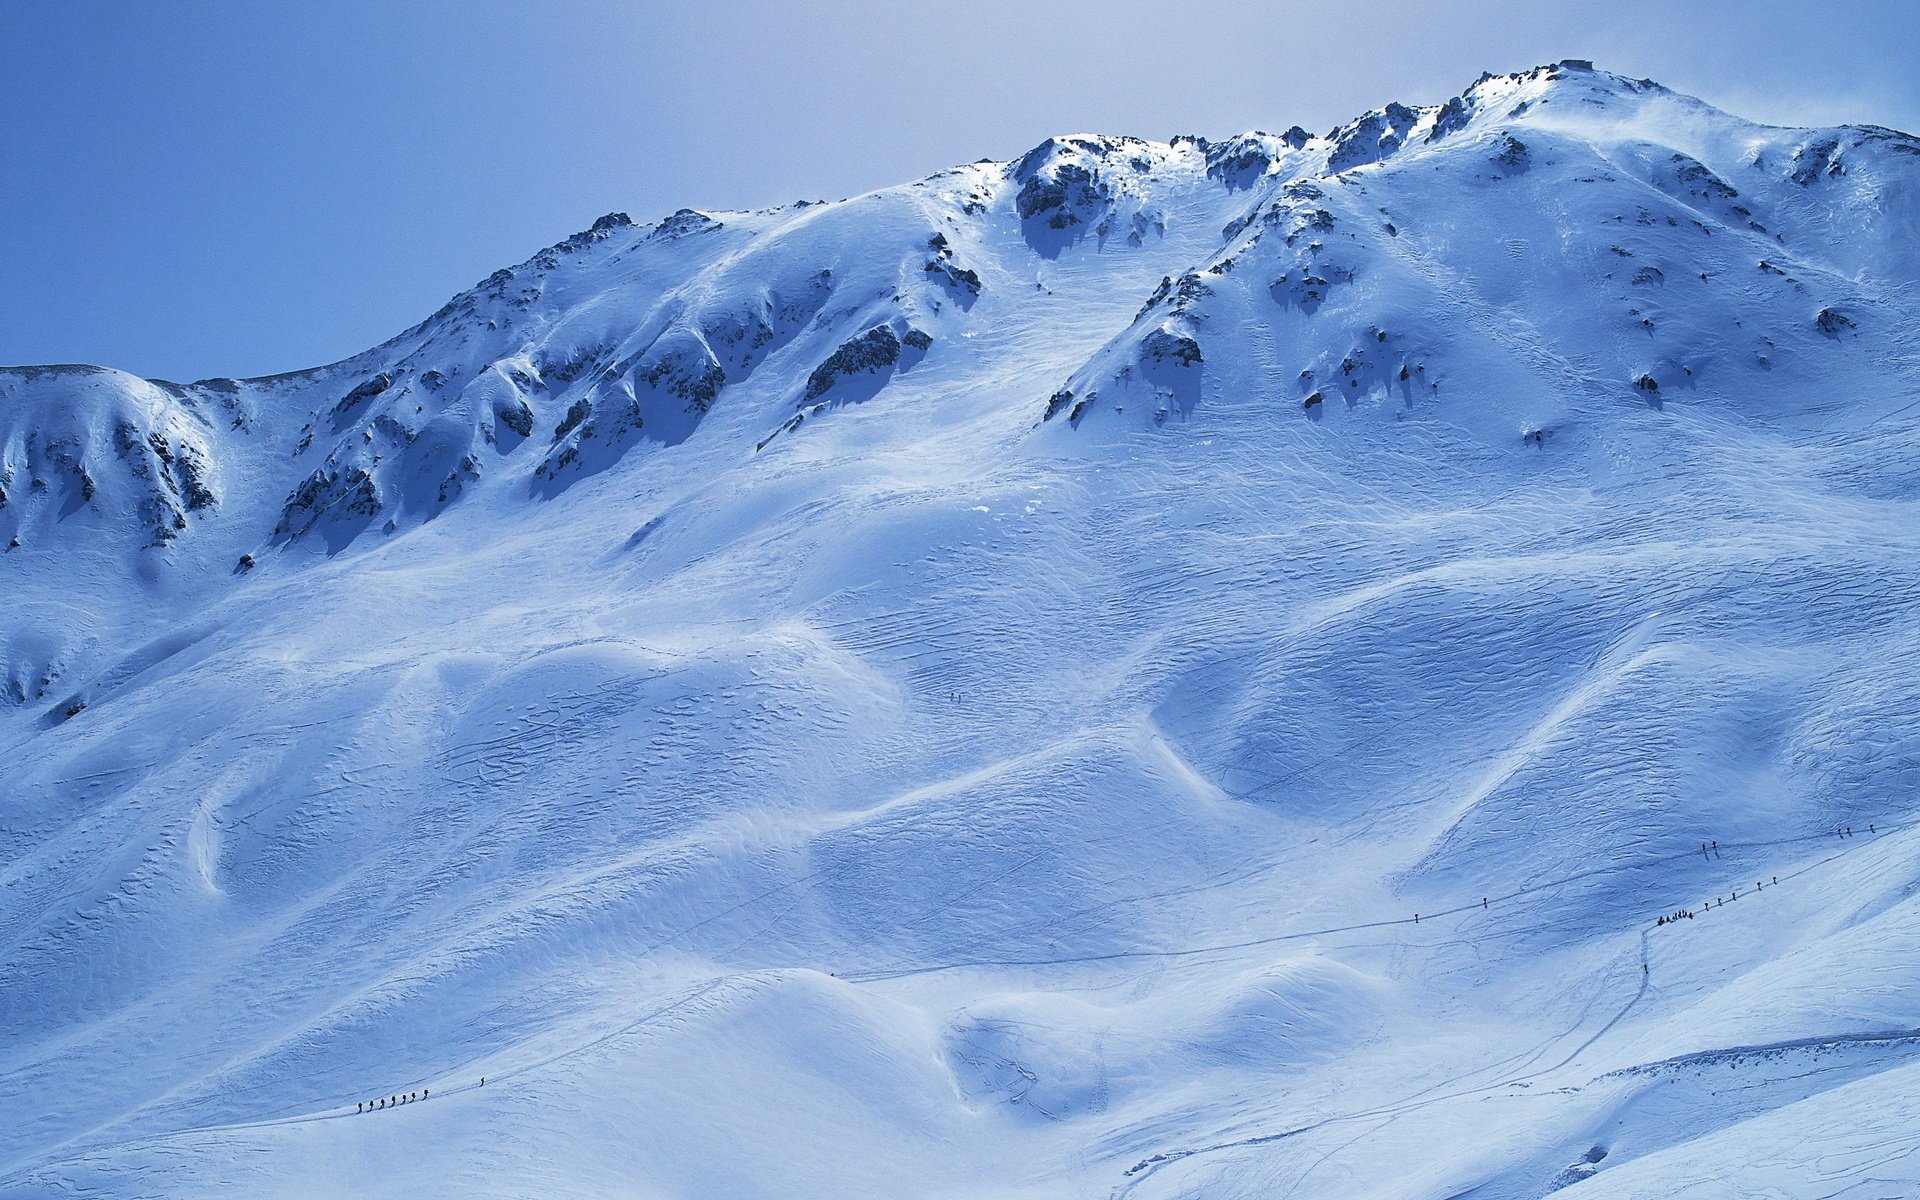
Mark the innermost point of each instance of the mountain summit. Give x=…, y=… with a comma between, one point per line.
x=1376, y=663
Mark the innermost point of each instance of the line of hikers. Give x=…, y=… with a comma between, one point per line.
x=395, y=1101
x=1711, y=848
x=366, y=1106
x=1683, y=914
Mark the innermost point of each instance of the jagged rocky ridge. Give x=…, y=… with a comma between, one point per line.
x=625, y=336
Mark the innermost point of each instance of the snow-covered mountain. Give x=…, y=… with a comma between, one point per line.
x=1206, y=668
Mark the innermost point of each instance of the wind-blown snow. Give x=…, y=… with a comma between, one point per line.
x=963, y=691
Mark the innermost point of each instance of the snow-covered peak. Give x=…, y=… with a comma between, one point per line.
x=106, y=450
x=1570, y=80
x=1568, y=95
x=631, y=335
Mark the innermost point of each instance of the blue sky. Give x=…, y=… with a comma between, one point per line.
x=225, y=187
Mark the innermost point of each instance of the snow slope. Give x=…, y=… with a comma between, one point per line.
x=963, y=691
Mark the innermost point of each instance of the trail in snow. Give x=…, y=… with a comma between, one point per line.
x=451, y=1085
x=1144, y=1169
x=1385, y=923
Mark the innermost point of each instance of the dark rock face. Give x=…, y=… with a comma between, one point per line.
x=878, y=349
x=1452, y=118
x=1062, y=192
x=568, y=369
x=1059, y=197
x=1176, y=295
x=1165, y=346
x=1238, y=163
x=415, y=452
x=661, y=394
x=361, y=393
x=1699, y=180
x=1371, y=138
x=960, y=282
x=576, y=415
x=175, y=479
x=857, y=370
x=1308, y=288
x=686, y=371
x=684, y=223
x=604, y=433
x=1815, y=159
x=515, y=417
x=1692, y=183
x=606, y=227
x=1831, y=322
x=1827, y=156
x=1156, y=360
x=342, y=493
